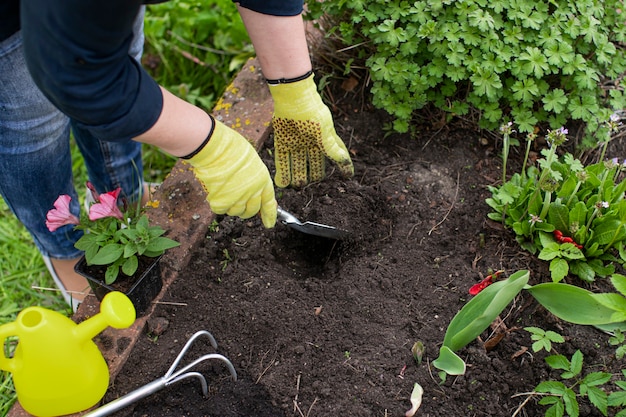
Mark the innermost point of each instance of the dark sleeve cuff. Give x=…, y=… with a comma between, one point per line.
x=273, y=7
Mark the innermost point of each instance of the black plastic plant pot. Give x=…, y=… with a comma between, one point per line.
x=140, y=288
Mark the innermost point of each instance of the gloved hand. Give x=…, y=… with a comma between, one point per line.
x=304, y=134
x=235, y=178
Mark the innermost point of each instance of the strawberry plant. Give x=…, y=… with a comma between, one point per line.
x=532, y=62
x=562, y=398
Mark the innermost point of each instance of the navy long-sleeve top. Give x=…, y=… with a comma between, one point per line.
x=77, y=53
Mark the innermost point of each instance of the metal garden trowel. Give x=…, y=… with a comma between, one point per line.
x=311, y=228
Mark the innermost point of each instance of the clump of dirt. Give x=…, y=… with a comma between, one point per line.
x=318, y=327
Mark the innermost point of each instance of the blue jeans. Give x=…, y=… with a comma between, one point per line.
x=35, y=159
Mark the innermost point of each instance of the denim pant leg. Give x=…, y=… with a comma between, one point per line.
x=35, y=162
x=111, y=164
x=35, y=158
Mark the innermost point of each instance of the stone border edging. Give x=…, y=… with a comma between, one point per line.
x=246, y=106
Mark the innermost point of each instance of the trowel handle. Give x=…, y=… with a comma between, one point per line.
x=7, y=330
x=285, y=217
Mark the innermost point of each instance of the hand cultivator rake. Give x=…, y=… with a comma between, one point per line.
x=170, y=377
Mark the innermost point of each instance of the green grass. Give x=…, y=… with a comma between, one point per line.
x=193, y=48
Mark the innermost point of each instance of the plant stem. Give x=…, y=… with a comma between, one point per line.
x=505, y=154
x=569, y=200
x=547, y=199
x=604, y=146
x=528, y=143
x=593, y=215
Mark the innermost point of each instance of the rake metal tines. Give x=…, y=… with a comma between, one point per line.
x=171, y=376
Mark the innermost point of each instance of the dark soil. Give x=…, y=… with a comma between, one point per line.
x=316, y=327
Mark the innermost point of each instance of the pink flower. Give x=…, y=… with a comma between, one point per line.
x=61, y=215
x=107, y=207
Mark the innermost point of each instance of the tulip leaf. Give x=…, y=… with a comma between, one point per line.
x=449, y=362
x=570, y=303
x=482, y=310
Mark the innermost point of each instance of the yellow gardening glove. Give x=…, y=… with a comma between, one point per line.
x=303, y=134
x=235, y=178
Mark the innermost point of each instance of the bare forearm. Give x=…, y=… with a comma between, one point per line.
x=180, y=129
x=280, y=43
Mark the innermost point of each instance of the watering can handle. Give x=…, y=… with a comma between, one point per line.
x=6, y=330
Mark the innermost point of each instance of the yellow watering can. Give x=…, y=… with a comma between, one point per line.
x=57, y=369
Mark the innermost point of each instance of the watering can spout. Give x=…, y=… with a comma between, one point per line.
x=57, y=369
x=116, y=311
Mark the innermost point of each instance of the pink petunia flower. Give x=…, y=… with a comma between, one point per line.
x=61, y=215
x=107, y=207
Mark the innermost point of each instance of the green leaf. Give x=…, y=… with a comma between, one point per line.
x=535, y=63
x=550, y=251
x=555, y=337
x=582, y=270
x=551, y=387
x=619, y=282
x=449, y=362
x=558, y=269
x=609, y=231
x=576, y=363
x=557, y=409
x=578, y=214
x=542, y=344
x=597, y=378
x=111, y=273
x=600, y=269
x=615, y=302
x=558, y=215
x=558, y=362
x=571, y=405
x=617, y=399
x=107, y=254
x=555, y=101
x=482, y=310
x=525, y=90
x=161, y=244
x=129, y=267
x=570, y=303
x=486, y=83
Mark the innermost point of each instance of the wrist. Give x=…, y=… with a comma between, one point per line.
x=300, y=94
x=290, y=80
x=204, y=143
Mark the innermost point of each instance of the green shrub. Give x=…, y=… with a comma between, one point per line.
x=529, y=62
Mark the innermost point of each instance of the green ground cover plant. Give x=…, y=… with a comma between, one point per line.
x=531, y=62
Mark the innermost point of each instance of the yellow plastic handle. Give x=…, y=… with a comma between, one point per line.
x=7, y=330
